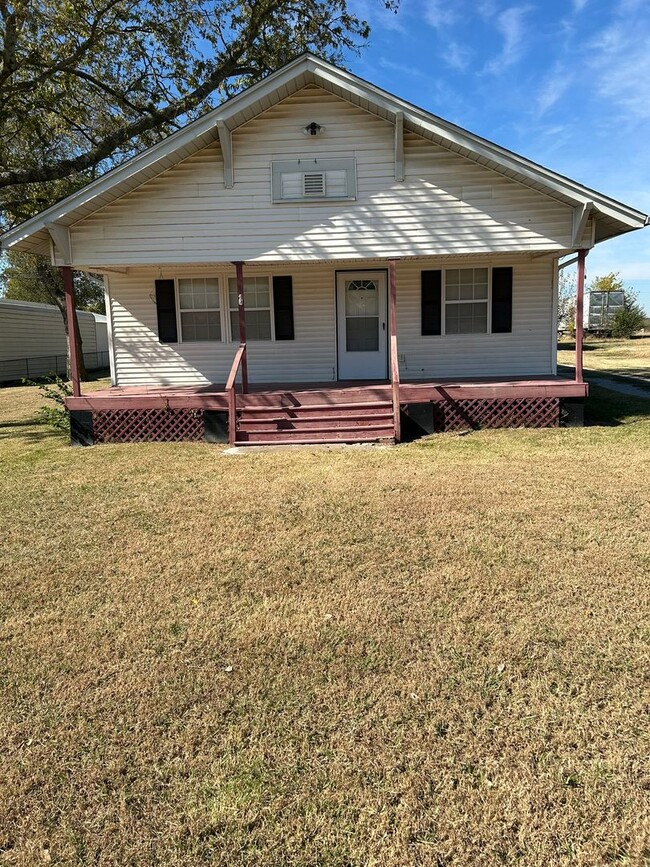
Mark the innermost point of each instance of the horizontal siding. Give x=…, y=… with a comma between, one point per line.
x=446, y=204
x=527, y=350
x=140, y=359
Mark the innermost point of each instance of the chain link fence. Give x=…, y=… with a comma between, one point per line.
x=16, y=369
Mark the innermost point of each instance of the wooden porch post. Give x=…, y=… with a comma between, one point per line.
x=239, y=270
x=394, y=361
x=68, y=287
x=580, y=301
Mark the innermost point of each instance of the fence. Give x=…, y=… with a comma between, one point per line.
x=15, y=369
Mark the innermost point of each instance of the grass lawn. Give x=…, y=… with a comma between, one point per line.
x=610, y=356
x=437, y=654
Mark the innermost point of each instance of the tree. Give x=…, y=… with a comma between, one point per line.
x=566, y=302
x=609, y=283
x=85, y=85
x=629, y=320
x=33, y=278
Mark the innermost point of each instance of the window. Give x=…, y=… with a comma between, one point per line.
x=466, y=301
x=198, y=302
x=313, y=179
x=257, y=302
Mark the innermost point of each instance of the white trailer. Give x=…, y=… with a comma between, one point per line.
x=33, y=341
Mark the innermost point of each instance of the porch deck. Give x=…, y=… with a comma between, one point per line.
x=213, y=396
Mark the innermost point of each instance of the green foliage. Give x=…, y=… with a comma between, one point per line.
x=609, y=283
x=31, y=278
x=56, y=390
x=85, y=85
x=628, y=321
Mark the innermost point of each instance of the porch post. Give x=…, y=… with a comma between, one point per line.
x=239, y=270
x=394, y=361
x=68, y=288
x=580, y=303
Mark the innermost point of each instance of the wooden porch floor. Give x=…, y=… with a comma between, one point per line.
x=213, y=396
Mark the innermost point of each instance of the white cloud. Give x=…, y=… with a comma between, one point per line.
x=621, y=61
x=457, y=56
x=510, y=24
x=579, y=5
x=553, y=89
x=439, y=13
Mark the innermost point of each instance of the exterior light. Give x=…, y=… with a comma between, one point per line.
x=313, y=128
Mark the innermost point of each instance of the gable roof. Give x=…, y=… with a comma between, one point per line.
x=612, y=217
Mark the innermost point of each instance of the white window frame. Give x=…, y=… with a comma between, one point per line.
x=180, y=310
x=488, y=301
x=234, y=337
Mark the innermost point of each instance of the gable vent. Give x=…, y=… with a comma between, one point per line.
x=313, y=183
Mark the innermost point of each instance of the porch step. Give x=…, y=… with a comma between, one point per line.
x=370, y=421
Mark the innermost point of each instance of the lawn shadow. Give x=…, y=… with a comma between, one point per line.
x=28, y=430
x=608, y=408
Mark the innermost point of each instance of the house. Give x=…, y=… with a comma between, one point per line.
x=33, y=341
x=319, y=260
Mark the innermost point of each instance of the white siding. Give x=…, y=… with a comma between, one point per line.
x=141, y=359
x=446, y=204
x=33, y=331
x=527, y=350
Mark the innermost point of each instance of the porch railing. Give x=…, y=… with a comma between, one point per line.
x=238, y=361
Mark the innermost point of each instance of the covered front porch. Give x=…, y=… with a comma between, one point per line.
x=391, y=408
x=343, y=411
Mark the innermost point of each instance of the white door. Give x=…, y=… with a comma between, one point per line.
x=362, y=324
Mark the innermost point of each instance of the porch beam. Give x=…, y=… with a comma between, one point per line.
x=241, y=309
x=394, y=358
x=71, y=312
x=580, y=303
x=225, y=140
x=399, y=145
x=581, y=214
x=60, y=236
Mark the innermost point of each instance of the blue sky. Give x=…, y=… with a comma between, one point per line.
x=563, y=82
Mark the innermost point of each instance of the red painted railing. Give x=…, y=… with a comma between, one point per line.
x=238, y=360
x=394, y=360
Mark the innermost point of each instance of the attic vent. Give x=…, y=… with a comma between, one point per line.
x=313, y=180
x=313, y=183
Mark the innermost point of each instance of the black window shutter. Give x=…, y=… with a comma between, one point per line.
x=283, y=308
x=166, y=308
x=431, y=301
x=501, y=300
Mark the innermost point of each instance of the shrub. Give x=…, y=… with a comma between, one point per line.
x=627, y=321
x=55, y=389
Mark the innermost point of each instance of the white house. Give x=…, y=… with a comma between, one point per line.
x=349, y=258
x=33, y=341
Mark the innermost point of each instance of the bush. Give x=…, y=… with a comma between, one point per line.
x=629, y=320
x=55, y=389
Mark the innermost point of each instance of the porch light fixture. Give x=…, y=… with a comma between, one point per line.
x=313, y=128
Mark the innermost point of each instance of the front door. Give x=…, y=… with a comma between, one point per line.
x=361, y=313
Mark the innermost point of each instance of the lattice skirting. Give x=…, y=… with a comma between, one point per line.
x=147, y=425
x=451, y=415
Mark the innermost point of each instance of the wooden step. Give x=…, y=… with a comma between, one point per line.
x=311, y=438
x=334, y=429
x=300, y=421
x=311, y=407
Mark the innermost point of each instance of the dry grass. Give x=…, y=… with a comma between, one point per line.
x=610, y=356
x=432, y=655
